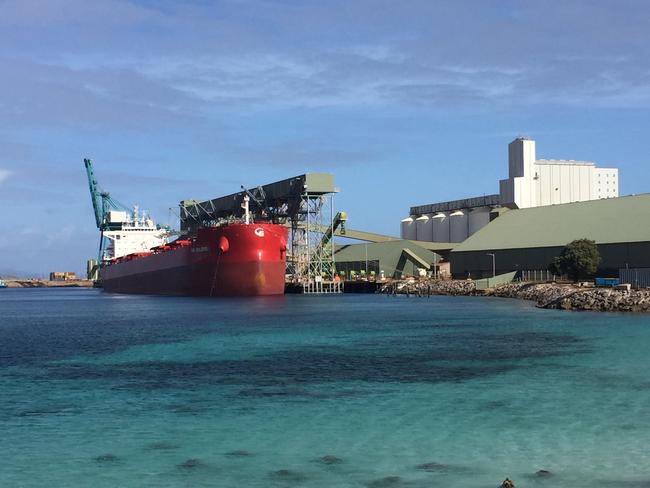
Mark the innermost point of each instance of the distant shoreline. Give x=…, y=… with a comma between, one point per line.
x=38, y=283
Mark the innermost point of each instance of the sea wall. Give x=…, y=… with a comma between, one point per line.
x=546, y=295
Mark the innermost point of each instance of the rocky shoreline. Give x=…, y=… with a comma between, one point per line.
x=37, y=283
x=546, y=295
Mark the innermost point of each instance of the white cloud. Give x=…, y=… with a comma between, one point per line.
x=4, y=175
x=286, y=55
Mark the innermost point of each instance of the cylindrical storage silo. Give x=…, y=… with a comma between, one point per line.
x=407, y=228
x=478, y=218
x=440, y=227
x=423, y=229
x=457, y=226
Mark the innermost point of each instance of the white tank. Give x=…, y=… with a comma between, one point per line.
x=458, y=226
x=478, y=218
x=423, y=229
x=407, y=228
x=440, y=227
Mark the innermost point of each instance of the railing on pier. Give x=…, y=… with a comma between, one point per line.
x=538, y=275
x=322, y=287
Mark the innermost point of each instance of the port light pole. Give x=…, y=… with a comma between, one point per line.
x=494, y=266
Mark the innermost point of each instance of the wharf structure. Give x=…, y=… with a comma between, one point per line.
x=531, y=183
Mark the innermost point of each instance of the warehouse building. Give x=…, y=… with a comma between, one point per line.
x=528, y=239
x=531, y=182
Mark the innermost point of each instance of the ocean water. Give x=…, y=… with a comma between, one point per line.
x=107, y=390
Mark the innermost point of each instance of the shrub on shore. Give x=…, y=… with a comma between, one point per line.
x=579, y=259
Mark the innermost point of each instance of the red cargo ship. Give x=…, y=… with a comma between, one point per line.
x=236, y=259
x=240, y=258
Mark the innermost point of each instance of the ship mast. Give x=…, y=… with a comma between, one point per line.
x=247, y=212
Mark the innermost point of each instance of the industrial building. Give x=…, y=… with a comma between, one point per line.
x=63, y=276
x=451, y=221
x=537, y=182
x=531, y=182
x=528, y=239
x=390, y=259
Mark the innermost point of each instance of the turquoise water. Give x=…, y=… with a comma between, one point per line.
x=105, y=391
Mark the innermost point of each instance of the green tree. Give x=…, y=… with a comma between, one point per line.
x=578, y=259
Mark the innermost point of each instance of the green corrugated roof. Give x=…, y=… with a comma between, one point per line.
x=614, y=220
x=436, y=246
x=389, y=251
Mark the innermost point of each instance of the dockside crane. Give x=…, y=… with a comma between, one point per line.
x=102, y=201
x=102, y=205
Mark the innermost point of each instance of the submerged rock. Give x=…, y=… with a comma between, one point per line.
x=386, y=482
x=329, y=460
x=106, y=458
x=191, y=464
x=162, y=446
x=287, y=475
x=433, y=467
x=238, y=453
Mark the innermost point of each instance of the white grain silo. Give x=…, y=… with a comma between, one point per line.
x=407, y=228
x=424, y=228
x=478, y=218
x=440, y=227
x=458, y=226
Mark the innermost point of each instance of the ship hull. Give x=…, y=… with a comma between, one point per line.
x=232, y=260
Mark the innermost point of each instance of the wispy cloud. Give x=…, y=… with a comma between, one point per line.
x=4, y=175
x=266, y=54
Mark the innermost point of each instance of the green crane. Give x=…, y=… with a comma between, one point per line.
x=95, y=194
x=102, y=201
x=102, y=204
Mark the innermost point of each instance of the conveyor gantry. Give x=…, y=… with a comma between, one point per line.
x=279, y=202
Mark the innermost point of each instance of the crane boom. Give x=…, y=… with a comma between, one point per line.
x=95, y=194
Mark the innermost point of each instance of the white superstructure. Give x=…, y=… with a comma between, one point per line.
x=537, y=182
x=137, y=232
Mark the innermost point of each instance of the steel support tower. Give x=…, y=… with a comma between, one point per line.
x=311, y=262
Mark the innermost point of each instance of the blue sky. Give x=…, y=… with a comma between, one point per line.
x=405, y=102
